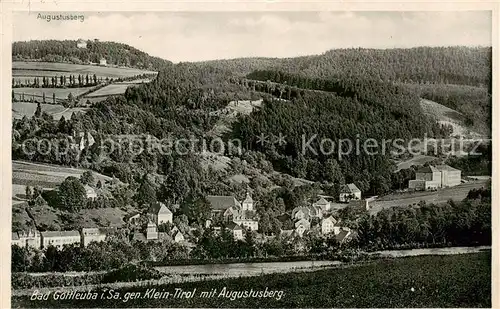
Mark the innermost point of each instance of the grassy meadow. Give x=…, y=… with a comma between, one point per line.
x=424, y=281
x=21, y=109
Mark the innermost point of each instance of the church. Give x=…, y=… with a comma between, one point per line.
x=241, y=213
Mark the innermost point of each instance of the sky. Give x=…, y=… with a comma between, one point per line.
x=197, y=36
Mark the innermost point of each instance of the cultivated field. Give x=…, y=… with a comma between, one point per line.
x=21, y=109
x=456, y=193
x=22, y=68
x=61, y=93
x=113, y=89
x=46, y=176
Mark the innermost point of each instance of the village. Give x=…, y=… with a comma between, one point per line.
x=239, y=217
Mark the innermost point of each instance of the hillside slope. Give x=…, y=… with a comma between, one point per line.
x=451, y=65
x=67, y=51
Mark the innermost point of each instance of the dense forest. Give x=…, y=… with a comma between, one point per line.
x=353, y=109
x=333, y=96
x=445, y=65
x=67, y=51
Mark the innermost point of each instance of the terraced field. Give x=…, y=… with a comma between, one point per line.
x=21, y=109
x=113, y=89
x=61, y=93
x=32, y=69
x=46, y=176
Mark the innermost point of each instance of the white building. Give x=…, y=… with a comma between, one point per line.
x=329, y=225
x=151, y=231
x=160, y=214
x=81, y=43
x=323, y=204
x=349, y=192
x=103, y=62
x=59, y=238
x=433, y=177
x=178, y=237
x=90, y=192
x=31, y=239
x=89, y=235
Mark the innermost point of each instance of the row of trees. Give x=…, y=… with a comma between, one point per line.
x=466, y=223
x=62, y=81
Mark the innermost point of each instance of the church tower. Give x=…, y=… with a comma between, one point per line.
x=151, y=231
x=247, y=203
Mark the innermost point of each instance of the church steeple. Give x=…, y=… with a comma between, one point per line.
x=248, y=202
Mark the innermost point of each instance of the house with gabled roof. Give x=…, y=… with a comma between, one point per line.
x=178, y=236
x=90, y=192
x=159, y=213
x=349, y=192
x=81, y=43
x=241, y=213
x=301, y=226
x=323, y=204
x=307, y=212
x=221, y=203
x=343, y=236
x=30, y=238
x=132, y=217
x=328, y=225
x=236, y=230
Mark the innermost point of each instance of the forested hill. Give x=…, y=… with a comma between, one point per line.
x=447, y=65
x=67, y=51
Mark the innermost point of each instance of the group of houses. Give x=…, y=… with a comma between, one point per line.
x=157, y=214
x=316, y=216
x=237, y=216
x=434, y=177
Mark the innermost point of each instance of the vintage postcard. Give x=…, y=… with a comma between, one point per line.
x=250, y=158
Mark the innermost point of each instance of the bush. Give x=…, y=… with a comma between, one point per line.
x=131, y=272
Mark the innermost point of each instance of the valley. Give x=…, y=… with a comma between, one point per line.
x=121, y=165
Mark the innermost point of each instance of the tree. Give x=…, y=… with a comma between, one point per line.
x=146, y=194
x=87, y=178
x=53, y=98
x=38, y=111
x=71, y=194
x=29, y=193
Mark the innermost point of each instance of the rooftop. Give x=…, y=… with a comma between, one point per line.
x=427, y=169
x=157, y=207
x=60, y=234
x=222, y=202
x=349, y=188
x=444, y=167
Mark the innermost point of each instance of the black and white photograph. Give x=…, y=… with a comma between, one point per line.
x=251, y=159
